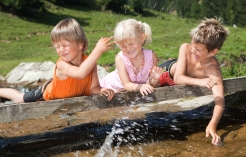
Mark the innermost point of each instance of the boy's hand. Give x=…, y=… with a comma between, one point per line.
x=104, y=44
x=146, y=89
x=216, y=140
x=108, y=92
x=209, y=82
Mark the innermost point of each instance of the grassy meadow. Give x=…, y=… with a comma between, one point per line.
x=27, y=39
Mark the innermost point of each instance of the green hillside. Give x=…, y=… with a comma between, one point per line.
x=27, y=39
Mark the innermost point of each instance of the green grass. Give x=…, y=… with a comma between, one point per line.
x=27, y=39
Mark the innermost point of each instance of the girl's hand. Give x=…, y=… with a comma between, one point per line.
x=108, y=92
x=154, y=76
x=146, y=89
x=156, y=72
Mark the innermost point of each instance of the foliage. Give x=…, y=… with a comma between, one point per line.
x=20, y=6
x=116, y=5
x=137, y=6
x=26, y=39
x=233, y=12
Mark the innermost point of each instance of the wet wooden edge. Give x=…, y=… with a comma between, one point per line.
x=15, y=112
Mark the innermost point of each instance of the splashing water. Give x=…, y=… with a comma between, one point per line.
x=106, y=148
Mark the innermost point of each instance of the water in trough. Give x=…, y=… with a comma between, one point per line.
x=156, y=134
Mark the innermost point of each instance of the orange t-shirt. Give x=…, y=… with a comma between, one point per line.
x=70, y=87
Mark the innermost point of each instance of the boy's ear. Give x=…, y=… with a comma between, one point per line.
x=81, y=45
x=213, y=53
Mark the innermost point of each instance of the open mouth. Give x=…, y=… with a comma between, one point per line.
x=64, y=54
x=196, y=57
x=131, y=52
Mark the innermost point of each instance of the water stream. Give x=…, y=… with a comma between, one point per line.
x=159, y=134
x=156, y=134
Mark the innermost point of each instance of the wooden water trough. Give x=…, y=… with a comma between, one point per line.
x=78, y=121
x=16, y=112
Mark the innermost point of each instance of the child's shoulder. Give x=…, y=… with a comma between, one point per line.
x=185, y=49
x=186, y=46
x=213, y=67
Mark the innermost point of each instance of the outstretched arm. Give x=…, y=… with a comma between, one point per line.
x=87, y=65
x=218, y=94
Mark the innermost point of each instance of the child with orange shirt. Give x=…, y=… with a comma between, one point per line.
x=75, y=74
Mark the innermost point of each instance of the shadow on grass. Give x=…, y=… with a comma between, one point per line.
x=52, y=19
x=46, y=17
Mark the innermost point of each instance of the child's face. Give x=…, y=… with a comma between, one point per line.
x=200, y=51
x=67, y=50
x=131, y=48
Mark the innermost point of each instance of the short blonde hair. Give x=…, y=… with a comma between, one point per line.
x=211, y=33
x=132, y=29
x=69, y=29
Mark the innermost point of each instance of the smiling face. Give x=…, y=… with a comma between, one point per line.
x=131, y=47
x=67, y=50
x=199, y=51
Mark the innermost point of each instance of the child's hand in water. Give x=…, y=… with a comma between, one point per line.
x=108, y=92
x=104, y=44
x=146, y=89
x=216, y=140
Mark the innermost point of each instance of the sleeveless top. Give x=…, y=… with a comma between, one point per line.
x=70, y=87
x=112, y=80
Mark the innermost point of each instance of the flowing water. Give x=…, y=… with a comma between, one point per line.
x=156, y=134
x=187, y=138
x=159, y=134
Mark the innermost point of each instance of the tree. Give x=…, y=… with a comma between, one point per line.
x=22, y=6
x=195, y=10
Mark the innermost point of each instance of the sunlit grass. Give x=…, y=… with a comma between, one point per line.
x=27, y=39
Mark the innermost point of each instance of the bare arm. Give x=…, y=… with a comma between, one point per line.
x=218, y=94
x=87, y=65
x=144, y=89
x=97, y=89
x=179, y=75
x=126, y=82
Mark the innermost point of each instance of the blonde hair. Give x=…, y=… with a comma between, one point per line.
x=69, y=29
x=211, y=33
x=132, y=29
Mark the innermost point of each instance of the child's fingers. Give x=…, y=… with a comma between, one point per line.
x=111, y=95
x=147, y=91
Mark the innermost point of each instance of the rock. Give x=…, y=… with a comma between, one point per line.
x=31, y=72
x=2, y=78
x=26, y=73
x=101, y=72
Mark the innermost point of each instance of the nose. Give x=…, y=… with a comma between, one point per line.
x=193, y=50
x=129, y=48
x=61, y=48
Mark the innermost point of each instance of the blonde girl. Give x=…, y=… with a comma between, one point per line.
x=133, y=62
